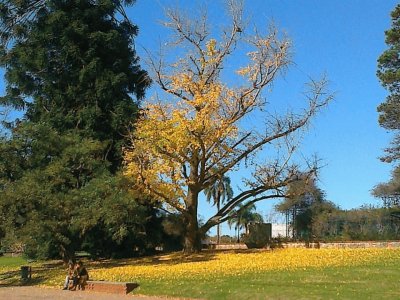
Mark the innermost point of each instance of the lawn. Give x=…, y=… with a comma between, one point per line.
x=278, y=274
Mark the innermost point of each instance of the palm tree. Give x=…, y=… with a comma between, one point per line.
x=243, y=217
x=219, y=192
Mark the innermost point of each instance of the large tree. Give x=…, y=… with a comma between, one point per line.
x=196, y=133
x=72, y=69
x=389, y=75
x=389, y=111
x=73, y=66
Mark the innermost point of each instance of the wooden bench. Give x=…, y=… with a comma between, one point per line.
x=110, y=287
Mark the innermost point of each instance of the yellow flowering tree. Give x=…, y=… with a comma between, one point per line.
x=191, y=137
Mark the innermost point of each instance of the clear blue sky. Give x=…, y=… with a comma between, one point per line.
x=342, y=38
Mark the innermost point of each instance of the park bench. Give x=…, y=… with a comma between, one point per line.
x=110, y=287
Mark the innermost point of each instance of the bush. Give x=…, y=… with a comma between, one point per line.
x=259, y=235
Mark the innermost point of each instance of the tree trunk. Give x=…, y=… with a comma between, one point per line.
x=192, y=241
x=67, y=254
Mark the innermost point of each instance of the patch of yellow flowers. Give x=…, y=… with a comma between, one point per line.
x=217, y=264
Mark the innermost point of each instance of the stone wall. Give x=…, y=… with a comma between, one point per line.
x=342, y=245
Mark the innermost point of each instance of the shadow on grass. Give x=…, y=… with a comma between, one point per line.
x=42, y=272
x=167, y=258
x=160, y=259
x=39, y=275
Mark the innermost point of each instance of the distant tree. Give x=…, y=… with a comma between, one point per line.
x=219, y=192
x=243, y=216
x=389, y=192
x=304, y=202
x=192, y=138
x=364, y=223
x=71, y=68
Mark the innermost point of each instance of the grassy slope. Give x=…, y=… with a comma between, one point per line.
x=375, y=280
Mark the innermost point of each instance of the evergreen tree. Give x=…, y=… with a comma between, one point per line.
x=389, y=75
x=389, y=111
x=72, y=68
x=303, y=203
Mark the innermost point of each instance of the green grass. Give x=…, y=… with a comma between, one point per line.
x=371, y=281
x=8, y=261
x=363, y=282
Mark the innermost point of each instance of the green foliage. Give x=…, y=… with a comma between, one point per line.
x=389, y=111
x=219, y=192
x=71, y=67
x=304, y=203
x=389, y=192
x=243, y=216
x=357, y=224
x=259, y=235
x=173, y=230
x=389, y=75
x=74, y=67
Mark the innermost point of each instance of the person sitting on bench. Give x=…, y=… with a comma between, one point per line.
x=70, y=275
x=81, y=277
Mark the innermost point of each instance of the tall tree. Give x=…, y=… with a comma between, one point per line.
x=389, y=75
x=219, y=192
x=303, y=203
x=389, y=111
x=193, y=137
x=71, y=67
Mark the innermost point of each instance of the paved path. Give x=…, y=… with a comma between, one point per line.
x=32, y=292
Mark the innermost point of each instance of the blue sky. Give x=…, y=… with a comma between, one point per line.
x=339, y=38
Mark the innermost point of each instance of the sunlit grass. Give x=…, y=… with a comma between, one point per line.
x=216, y=264
x=11, y=262
x=283, y=273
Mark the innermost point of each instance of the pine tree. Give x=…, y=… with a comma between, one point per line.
x=389, y=75
x=71, y=67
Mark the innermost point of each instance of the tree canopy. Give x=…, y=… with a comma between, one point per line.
x=192, y=136
x=71, y=68
x=389, y=111
x=303, y=204
x=389, y=75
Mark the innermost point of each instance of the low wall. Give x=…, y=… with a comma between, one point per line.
x=229, y=246
x=331, y=245
x=339, y=245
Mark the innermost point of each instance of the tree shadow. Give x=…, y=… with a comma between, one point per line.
x=160, y=259
x=38, y=275
x=173, y=258
x=51, y=269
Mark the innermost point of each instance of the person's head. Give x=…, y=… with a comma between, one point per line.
x=79, y=264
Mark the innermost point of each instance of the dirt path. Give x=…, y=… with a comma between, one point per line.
x=31, y=292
